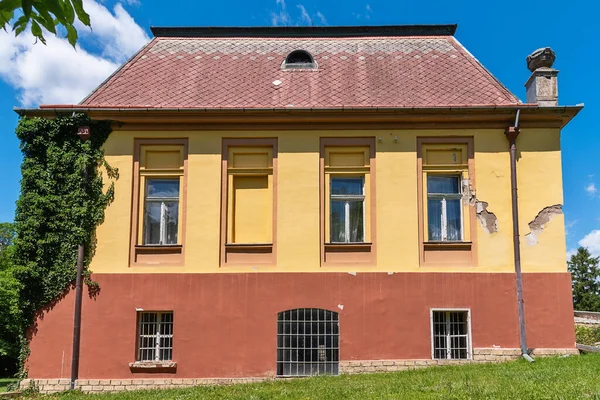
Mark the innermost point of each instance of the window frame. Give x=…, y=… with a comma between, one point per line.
x=162, y=201
x=156, y=254
x=468, y=335
x=246, y=253
x=157, y=337
x=334, y=337
x=351, y=253
x=444, y=214
x=347, y=199
x=447, y=253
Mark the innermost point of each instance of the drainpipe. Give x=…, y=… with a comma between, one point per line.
x=83, y=133
x=512, y=132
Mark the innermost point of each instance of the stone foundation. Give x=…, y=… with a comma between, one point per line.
x=482, y=355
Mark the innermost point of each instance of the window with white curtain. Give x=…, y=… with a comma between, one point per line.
x=444, y=208
x=347, y=196
x=161, y=211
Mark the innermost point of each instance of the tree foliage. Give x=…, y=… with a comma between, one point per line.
x=585, y=274
x=57, y=210
x=48, y=14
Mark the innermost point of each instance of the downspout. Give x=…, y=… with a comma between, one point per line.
x=512, y=132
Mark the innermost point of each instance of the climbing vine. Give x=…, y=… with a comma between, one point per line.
x=58, y=208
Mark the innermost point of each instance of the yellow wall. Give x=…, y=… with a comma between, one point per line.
x=298, y=223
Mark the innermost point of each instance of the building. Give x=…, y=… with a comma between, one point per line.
x=316, y=200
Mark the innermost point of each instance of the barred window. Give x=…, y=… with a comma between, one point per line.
x=307, y=342
x=450, y=335
x=155, y=340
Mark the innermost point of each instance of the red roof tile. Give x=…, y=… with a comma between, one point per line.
x=239, y=72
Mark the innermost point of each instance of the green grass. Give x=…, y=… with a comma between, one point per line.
x=4, y=383
x=549, y=378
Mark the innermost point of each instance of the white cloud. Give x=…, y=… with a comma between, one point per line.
x=321, y=18
x=57, y=73
x=592, y=242
x=570, y=253
x=304, y=17
x=117, y=34
x=591, y=189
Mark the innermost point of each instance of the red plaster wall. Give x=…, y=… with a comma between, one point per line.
x=225, y=325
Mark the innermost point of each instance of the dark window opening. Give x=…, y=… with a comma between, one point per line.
x=450, y=335
x=308, y=342
x=299, y=59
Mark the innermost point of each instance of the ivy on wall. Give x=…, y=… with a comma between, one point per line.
x=58, y=208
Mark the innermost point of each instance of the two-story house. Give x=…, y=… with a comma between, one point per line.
x=318, y=200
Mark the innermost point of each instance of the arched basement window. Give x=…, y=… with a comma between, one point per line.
x=299, y=59
x=308, y=342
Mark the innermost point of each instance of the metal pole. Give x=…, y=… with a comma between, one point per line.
x=78, y=297
x=511, y=134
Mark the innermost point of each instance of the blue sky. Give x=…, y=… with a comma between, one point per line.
x=499, y=34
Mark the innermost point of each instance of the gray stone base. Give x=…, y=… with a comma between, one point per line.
x=481, y=355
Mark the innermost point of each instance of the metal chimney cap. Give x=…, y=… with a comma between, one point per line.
x=541, y=58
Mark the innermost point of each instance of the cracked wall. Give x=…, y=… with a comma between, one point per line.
x=539, y=223
x=487, y=219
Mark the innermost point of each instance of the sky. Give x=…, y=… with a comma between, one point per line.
x=499, y=34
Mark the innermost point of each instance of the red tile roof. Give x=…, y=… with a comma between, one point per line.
x=353, y=71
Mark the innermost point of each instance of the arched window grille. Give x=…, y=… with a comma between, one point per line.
x=308, y=342
x=299, y=59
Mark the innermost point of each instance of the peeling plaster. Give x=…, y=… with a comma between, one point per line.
x=487, y=219
x=539, y=223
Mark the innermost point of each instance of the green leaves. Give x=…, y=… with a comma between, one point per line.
x=585, y=273
x=46, y=14
x=57, y=210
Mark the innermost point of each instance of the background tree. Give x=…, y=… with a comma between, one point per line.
x=586, y=286
x=48, y=14
x=10, y=313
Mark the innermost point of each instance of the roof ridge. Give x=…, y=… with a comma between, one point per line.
x=305, y=31
x=477, y=64
x=119, y=71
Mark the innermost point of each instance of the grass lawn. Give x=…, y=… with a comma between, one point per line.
x=548, y=378
x=4, y=383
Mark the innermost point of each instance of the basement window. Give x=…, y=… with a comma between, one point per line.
x=450, y=334
x=155, y=336
x=308, y=342
x=299, y=59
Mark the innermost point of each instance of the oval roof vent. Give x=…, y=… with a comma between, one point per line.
x=299, y=59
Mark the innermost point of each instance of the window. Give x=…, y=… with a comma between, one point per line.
x=249, y=201
x=446, y=182
x=348, y=196
x=450, y=335
x=161, y=216
x=307, y=342
x=155, y=341
x=158, y=212
x=299, y=59
x=444, y=207
x=347, y=210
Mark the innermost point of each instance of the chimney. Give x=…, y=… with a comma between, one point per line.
x=542, y=85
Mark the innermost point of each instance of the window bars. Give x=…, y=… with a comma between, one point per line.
x=450, y=330
x=347, y=210
x=307, y=342
x=444, y=206
x=155, y=341
x=161, y=211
